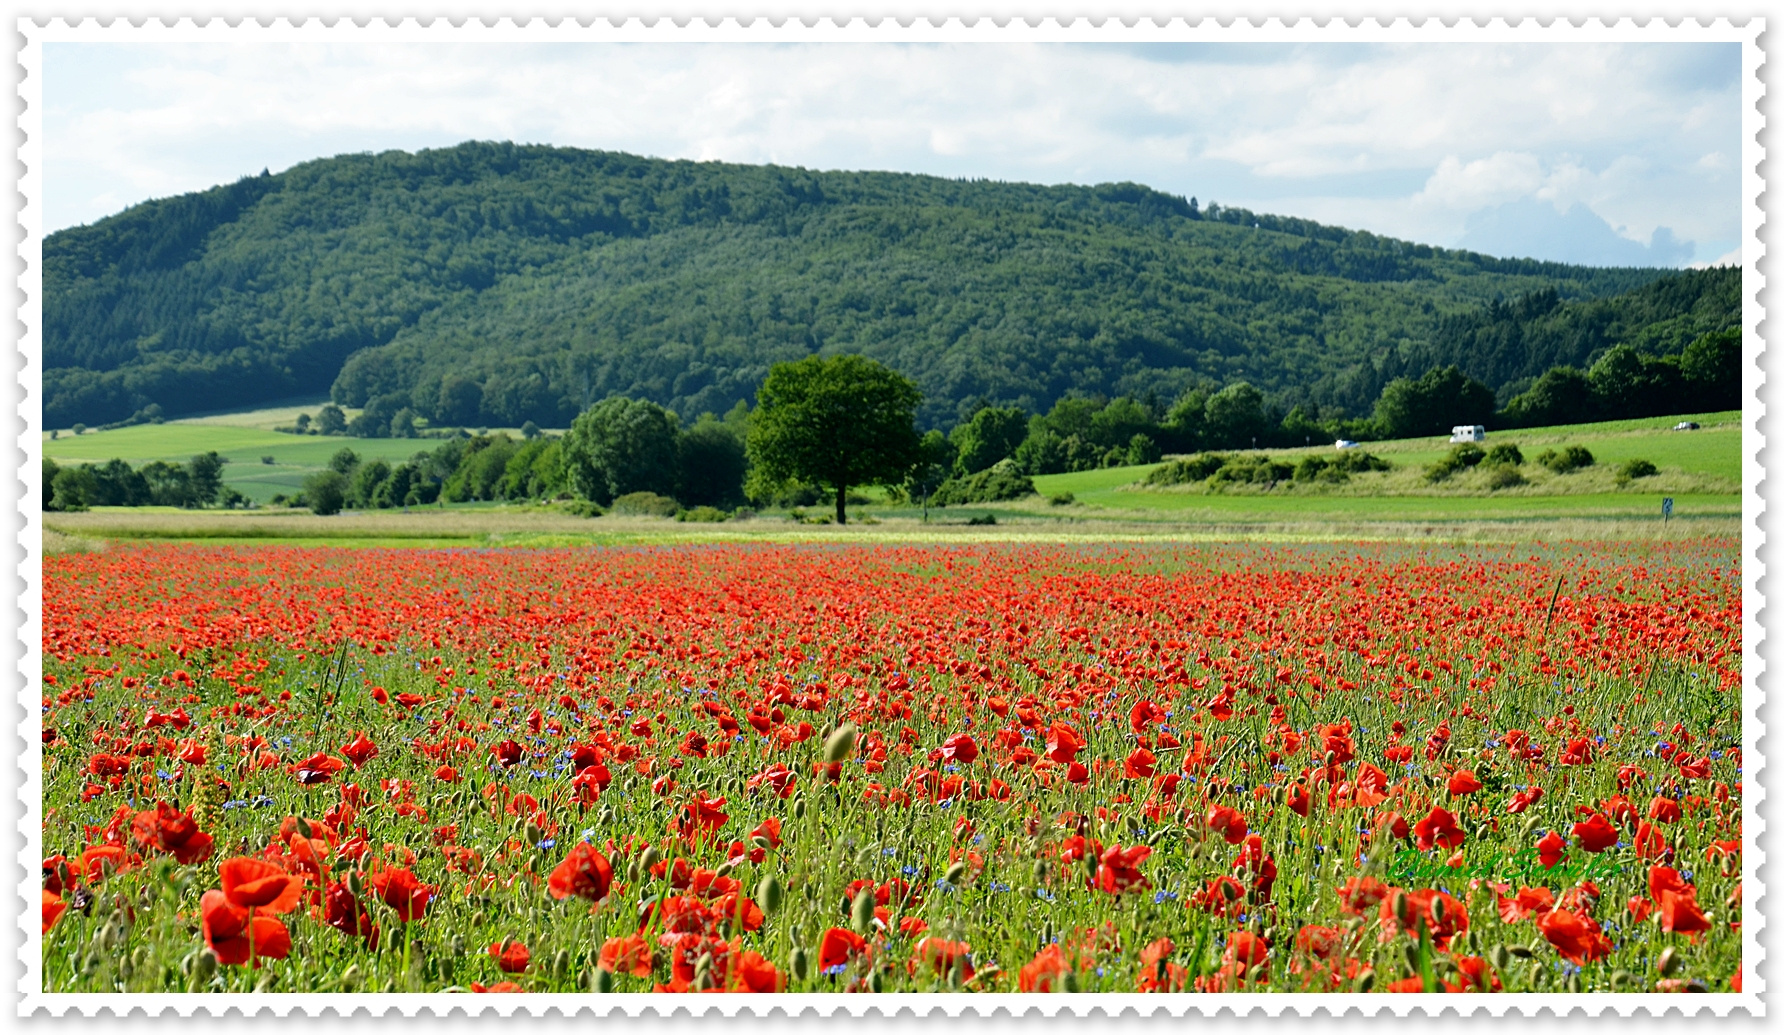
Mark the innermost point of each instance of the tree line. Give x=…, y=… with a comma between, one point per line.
x=836, y=424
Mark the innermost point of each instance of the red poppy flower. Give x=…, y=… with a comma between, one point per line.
x=939, y=955
x=1463, y=781
x=1063, y=743
x=1528, y=902
x=1549, y=849
x=1577, y=938
x=1139, y=764
x=628, y=954
x=1046, y=972
x=167, y=829
x=1438, y=828
x=838, y=947
x=960, y=748
x=251, y=883
x=359, y=750
x=1228, y=823
x=1595, y=834
x=1359, y=895
x=1680, y=913
x=1650, y=843
x=53, y=908
x=342, y=910
x=584, y=873
x=1119, y=870
x=751, y=972
x=402, y=892
x=235, y=936
x=1663, y=809
x=512, y=958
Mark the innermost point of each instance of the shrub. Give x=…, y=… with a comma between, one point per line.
x=983, y=519
x=1186, y=470
x=1311, y=467
x=1467, y=454
x=743, y=513
x=325, y=492
x=1503, y=476
x=584, y=508
x=1000, y=481
x=1634, y=469
x=645, y=504
x=1252, y=470
x=703, y=514
x=1356, y=461
x=268, y=460
x=1505, y=453
x=1062, y=499
x=1572, y=458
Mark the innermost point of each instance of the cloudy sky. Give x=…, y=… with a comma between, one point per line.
x=1601, y=154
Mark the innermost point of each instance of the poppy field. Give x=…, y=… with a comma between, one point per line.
x=749, y=768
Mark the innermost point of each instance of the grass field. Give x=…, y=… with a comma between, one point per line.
x=1699, y=470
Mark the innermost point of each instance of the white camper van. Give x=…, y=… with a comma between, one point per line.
x=1468, y=433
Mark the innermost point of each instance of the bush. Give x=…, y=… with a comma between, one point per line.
x=703, y=514
x=584, y=508
x=1503, y=476
x=1356, y=461
x=1250, y=470
x=325, y=492
x=1572, y=458
x=646, y=504
x=1505, y=453
x=1634, y=469
x=999, y=482
x=268, y=460
x=983, y=519
x=1187, y=470
x=1311, y=467
x=1062, y=499
x=1467, y=454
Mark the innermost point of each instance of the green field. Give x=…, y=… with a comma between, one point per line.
x=1699, y=469
x=1708, y=458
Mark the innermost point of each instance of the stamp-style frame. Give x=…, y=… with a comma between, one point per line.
x=33, y=1000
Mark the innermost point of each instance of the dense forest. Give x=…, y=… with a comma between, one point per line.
x=494, y=284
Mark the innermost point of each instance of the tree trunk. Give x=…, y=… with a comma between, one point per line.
x=842, y=514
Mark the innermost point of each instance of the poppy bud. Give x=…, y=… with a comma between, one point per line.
x=1411, y=951
x=956, y=873
x=1520, y=951
x=1040, y=871
x=601, y=980
x=1090, y=864
x=349, y=979
x=840, y=744
x=877, y=982
x=768, y=894
x=1622, y=979
x=797, y=963
x=649, y=859
x=1398, y=905
x=205, y=965
x=1669, y=960
x=1071, y=981
x=799, y=809
x=761, y=842
x=1499, y=956
x=354, y=883
x=1729, y=866
x=1365, y=981
x=861, y=911
x=1438, y=909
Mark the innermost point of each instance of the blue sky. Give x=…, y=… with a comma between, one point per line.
x=1601, y=154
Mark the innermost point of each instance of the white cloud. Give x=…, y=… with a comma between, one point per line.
x=1403, y=140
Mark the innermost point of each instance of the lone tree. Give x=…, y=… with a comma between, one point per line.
x=839, y=422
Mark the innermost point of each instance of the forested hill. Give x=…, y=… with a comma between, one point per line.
x=493, y=284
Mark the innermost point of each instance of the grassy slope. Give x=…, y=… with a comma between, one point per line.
x=1106, y=503
x=1712, y=453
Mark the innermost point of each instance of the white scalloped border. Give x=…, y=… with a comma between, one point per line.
x=33, y=1001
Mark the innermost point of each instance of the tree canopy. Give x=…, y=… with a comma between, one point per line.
x=492, y=284
x=841, y=422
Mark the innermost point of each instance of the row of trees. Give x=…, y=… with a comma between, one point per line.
x=197, y=483
x=846, y=422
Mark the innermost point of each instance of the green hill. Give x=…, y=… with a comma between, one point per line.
x=491, y=284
